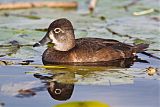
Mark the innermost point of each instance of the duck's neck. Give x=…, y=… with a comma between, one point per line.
x=65, y=45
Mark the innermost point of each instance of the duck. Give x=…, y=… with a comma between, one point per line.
x=66, y=49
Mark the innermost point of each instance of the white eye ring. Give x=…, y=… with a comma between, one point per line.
x=58, y=30
x=58, y=91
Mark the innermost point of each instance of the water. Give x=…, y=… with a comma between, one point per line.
x=124, y=86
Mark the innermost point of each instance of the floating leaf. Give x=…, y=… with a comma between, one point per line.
x=143, y=12
x=29, y=72
x=151, y=71
x=31, y=17
x=26, y=62
x=26, y=92
x=83, y=104
x=43, y=30
x=19, y=15
x=50, y=66
x=102, y=17
x=46, y=66
x=2, y=62
x=139, y=41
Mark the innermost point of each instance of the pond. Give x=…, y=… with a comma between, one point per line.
x=24, y=81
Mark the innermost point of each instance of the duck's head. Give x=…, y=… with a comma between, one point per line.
x=61, y=34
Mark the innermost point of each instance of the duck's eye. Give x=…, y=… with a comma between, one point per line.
x=58, y=30
x=58, y=91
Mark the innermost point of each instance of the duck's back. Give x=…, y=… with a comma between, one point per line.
x=90, y=50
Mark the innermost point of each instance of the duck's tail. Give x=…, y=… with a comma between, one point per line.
x=140, y=47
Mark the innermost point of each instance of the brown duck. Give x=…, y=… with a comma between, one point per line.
x=67, y=49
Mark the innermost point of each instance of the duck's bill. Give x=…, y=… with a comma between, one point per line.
x=37, y=44
x=42, y=42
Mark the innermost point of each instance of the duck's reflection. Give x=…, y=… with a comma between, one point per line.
x=60, y=86
x=60, y=82
x=60, y=91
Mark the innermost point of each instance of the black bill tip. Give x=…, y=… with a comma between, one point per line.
x=36, y=45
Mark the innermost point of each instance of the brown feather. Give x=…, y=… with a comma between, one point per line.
x=91, y=50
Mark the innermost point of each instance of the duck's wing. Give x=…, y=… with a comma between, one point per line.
x=95, y=44
x=98, y=41
x=97, y=49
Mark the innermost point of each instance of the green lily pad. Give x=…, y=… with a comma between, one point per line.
x=139, y=41
x=83, y=104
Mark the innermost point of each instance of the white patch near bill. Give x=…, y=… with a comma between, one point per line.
x=58, y=45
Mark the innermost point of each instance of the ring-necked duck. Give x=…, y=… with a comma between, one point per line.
x=67, y=49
